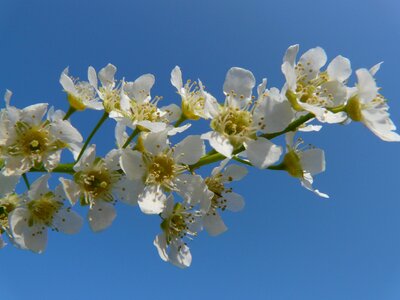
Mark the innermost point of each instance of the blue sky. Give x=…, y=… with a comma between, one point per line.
x=287, y=243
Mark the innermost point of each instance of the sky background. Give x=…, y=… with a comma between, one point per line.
x=287, y=243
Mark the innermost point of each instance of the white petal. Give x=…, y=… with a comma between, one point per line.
x=101, y=215
x=189, y=150
x=173, y=112
x=214, y=224
x=34, y=114
x=153, y=126
x=7, y=97
x=27, y=237
x=375, y=68
x=339, y=69
x=290, y=75
x=155, y=142
x=240, y=81
x=67, y=84
x=176, y=78
x=308, y=185
x=313, y=60
x=367, y=89
x=290, y=55
x=152, y=200
x=313, y=161
x=51, y=160
x=132, y=164
x=235, y=202
x=67, y=221
x=128, y=190
x=180, y=255
x=193, y=189
x=219, y=142
x=92, y=76
x=87, y=159
x=262, y=152
x=234, y=173
x=39, y=187
x=7, y=184
x=106, y=75
x=71, y=189
x=112, y=159
x=160, y=243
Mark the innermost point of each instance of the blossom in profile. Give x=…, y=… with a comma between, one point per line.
x=223, y=197
x=27, y=140
x=193, y=95
x=180, y=222
x=303, y=163
x=41, y=210
x=80, y=94
x=9, y=201
x=368, y=106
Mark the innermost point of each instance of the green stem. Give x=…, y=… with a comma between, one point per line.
x=61, y=168
x=98, y=125
x=181, y=119
x=70, y=111
x=131, y=137
x=292, y=126
x=25, y=177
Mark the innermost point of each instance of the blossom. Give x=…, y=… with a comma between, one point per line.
x=234, y=123
x=180, y=222
x=109, y=91
x=223, y=197
x=193, y=95
x=81, y=94
x=26, y=140
x=366, y=105
x=137, y=108
x=9, y=201
x=158, y=169
x=42, y=209
x=98, y=183
x=303, y=163
x=309, y=89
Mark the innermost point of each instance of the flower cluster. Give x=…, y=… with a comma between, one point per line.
x=164, y=178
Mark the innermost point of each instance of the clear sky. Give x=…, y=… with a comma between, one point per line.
x=287, y=244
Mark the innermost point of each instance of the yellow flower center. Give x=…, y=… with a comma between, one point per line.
x=234, y=123
x=353, y=109
x=43, y=210
x=291, y=161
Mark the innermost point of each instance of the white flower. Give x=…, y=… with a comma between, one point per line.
x=309, y=89
x=234, y=124
x=193, y=96
x=272, y=109
x=26, y=140
x=179, y=222
x=223, y=197
x=43, y=209
x=81, y=94
x=99, y=183
x=9, y=201
x=303, y=163
x=366, y=105
x=137, y=108
x=109, y=92
x=159, y=169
